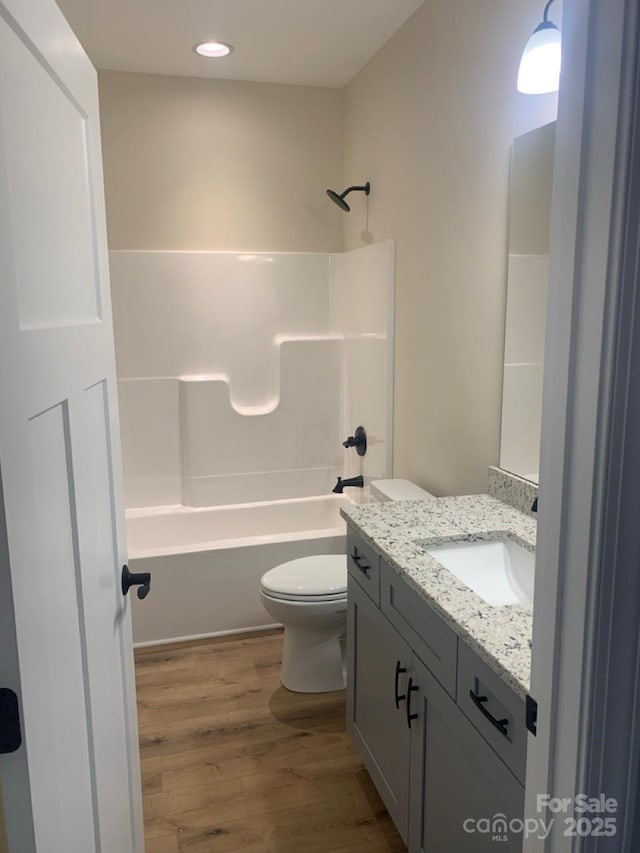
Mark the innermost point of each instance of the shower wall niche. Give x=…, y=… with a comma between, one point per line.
x=241, y=374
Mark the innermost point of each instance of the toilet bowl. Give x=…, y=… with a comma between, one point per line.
x=309, y=597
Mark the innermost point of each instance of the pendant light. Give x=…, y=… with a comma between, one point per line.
x=540, y=64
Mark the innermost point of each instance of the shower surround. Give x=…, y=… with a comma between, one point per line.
x=240, y=374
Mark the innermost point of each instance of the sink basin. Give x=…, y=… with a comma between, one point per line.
x=501, y=572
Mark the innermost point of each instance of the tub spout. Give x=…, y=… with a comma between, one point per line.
x=357, y=482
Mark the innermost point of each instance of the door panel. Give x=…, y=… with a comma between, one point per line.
x=103, y=606
x=48, y=182
x=53, y=652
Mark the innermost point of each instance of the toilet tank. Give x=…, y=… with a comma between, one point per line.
x=397, y=490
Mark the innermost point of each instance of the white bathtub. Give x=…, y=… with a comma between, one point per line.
x=206, y=563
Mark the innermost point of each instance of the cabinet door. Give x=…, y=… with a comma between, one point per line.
x=456, y=780
x=376, y=722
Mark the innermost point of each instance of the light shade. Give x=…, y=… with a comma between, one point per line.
x=213, y=49
x=541, y=61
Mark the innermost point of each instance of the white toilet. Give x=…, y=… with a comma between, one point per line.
x=309, y=597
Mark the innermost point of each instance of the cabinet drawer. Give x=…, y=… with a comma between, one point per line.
x=496, y=711
x=364, y=565
x=433, y=641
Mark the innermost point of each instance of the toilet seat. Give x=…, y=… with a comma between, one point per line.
x=309, y=579
x=304, y=599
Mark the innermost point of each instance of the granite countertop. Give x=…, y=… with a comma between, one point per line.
x=400, y=530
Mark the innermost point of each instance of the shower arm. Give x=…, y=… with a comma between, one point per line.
x=366, y=189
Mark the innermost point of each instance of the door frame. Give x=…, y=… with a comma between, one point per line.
x=586, y=648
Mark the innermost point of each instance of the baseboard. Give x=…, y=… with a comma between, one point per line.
x=212, y=636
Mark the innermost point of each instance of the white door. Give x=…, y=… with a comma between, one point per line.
x=65, y=637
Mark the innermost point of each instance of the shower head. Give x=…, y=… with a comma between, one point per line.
x=342, y=204
x=339, y=198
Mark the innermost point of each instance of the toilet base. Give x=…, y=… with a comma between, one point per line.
x=313, y=660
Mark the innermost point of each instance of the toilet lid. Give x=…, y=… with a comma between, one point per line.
x=309, y=577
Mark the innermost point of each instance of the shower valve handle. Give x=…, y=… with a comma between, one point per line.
x=357, y=440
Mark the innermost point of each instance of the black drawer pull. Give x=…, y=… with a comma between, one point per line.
x=479, y=701
x=411, y=688
x=399, y=697
x=364, y=567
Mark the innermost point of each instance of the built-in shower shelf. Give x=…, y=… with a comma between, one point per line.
x=304, y=350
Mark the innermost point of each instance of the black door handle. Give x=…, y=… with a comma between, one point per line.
x=10, y=731
x=139, y=579
x=479, y=701
x=399, y=698
x=411, y=688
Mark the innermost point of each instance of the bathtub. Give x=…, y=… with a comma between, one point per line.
x=206, y=562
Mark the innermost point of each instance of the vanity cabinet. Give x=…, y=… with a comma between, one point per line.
x=437, y=756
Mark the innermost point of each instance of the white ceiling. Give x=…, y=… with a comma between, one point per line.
x=305, y=42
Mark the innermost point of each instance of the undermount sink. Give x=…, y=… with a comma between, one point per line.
x=500, y=571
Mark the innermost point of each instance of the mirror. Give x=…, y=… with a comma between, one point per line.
x=528, y=273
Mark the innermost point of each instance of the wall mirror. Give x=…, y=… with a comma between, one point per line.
x=528, y=273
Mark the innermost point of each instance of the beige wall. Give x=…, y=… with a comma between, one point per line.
x=219, y=165
x=429, y=122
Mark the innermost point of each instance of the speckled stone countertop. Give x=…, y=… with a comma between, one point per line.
x=400, y=530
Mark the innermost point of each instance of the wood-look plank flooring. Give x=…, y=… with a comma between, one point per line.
x=231, y=761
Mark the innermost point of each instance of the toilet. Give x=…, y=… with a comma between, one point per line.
x=309, y=597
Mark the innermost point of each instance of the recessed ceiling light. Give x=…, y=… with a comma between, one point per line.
x=213, y=49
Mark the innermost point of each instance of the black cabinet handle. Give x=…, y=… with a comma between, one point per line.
x=411, y=688
x=399, y=697
x=139, y=579
x=479, y=701
x=357, y=559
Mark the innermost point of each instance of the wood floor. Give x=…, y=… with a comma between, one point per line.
x=232, y=761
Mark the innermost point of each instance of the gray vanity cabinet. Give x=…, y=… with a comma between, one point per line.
x=440, y=734
x=456, y=778
x=375, y=653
